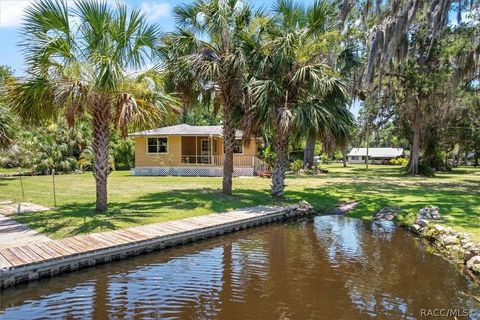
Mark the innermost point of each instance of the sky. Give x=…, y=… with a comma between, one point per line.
x=156, y=11
x=11, y=15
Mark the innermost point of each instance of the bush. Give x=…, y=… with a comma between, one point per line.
x=398, y=162
x=296, y=165
x=425, y=169
x=269, y=156
x=123, y=152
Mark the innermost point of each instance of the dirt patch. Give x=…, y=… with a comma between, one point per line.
x=344, y=207
x=9, y=207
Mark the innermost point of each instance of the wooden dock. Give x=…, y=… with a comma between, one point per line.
x=44, y=259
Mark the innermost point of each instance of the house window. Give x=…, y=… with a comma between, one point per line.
x=157, y=145
x=238, y=146
x=354, y=157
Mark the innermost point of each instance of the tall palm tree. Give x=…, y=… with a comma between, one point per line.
x=290, y=75
x=8, y=128
x=329, y=121
x=80, y=61
x=8, y=122
x=210, y=33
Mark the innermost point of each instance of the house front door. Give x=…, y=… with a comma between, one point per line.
x=205, y=151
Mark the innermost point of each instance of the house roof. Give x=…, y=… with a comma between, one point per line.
x=377, y=152
x=185, y=130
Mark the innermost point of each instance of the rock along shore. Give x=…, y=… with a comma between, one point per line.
x=452, y=245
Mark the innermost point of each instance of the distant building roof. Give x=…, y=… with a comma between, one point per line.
x=377, y=152
x=186, y=130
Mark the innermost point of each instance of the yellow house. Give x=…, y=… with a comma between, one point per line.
x=185, y=150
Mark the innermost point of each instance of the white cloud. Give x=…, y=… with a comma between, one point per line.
x=11, y=12
x=155, y=10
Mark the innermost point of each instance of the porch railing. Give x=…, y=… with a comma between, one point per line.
x=216, y=160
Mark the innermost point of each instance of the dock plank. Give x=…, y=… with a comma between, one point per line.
x=122, y=233
x=117, y=241
x=163, y=230
x=174, y=227
x=99, y=245
x=53, y=253
x=45, y=255
x=21, y=255
x=90, y=245
x=140, y=233
x=32, y=253
x=185, y=226
x=60, y=248
x=196, y=224
x=11, y=257
x=118, y=238
x=4, y=263
x=135, y=235
x=67, y=242
x=151, y=231
x=104, y=242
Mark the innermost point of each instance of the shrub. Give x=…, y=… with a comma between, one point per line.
x=296, y=165
x=269, y=156
x=425, y=169
x=398, y=162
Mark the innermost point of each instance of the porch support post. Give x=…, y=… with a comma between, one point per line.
x=196, y=149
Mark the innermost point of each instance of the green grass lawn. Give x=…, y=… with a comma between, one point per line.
x=13, y=170
x=142, y=200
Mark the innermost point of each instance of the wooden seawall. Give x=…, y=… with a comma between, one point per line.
x=33, y=261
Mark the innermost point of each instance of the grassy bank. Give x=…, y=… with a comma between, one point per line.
x=142, y=200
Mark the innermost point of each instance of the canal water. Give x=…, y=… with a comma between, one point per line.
x=327, y=267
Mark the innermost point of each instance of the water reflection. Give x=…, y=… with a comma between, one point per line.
x=324, y=268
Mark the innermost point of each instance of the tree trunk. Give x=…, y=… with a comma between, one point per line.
x=415, y=152
x=368, y=155
x=309, y=152
x=458, y=157
x=344, y=159
x=101, y=118
x=476, y=156
x=280, y=164
x=229, y=142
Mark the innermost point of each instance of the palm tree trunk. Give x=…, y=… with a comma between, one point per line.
x=229, y=141
x=415, y=152
x=101, y=118
x=280, y=164
x=309, y=152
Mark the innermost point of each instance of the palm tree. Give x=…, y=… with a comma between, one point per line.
x=8, y=122
x=79, y=63
x=8, y=128
x=290, y=75
x=209, y=50
x=329, y=120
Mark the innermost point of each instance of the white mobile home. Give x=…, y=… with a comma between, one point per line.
x=375, y=155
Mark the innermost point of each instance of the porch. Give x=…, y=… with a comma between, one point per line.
x=208, y=151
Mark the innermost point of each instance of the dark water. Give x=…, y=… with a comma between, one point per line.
x=324, y=268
